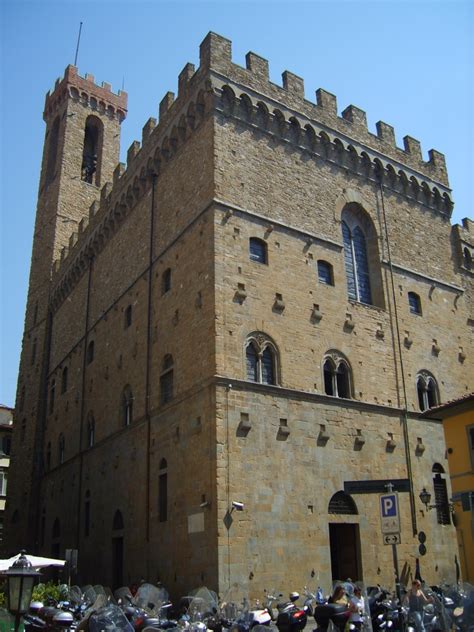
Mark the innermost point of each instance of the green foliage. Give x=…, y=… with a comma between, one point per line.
x=43, y=592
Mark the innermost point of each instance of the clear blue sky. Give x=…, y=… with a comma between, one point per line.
x=407, y=63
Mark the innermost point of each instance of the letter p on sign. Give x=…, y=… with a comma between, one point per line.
x=389, y=515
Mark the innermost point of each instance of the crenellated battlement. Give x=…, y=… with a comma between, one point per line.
x=463, y=240
x=221, y=86
x=216, y=55
x=85, y=89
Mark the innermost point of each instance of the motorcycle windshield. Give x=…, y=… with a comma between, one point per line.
x=108, y=619
x=150, y=598
x=123, y=595
x=89, y=594
x=202, y=603
x=235, y=603
x=75, y=594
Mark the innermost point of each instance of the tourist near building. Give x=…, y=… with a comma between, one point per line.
x=229, y=339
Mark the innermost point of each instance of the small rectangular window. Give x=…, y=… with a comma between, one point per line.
x=414, y=302
x=325, y=273
x=257, y=250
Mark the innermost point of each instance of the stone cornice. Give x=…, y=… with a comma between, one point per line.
x=326, y=143
x=309, y=237
x=419, y=275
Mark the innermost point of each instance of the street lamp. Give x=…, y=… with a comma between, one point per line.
x=21, y=577
x=425, y=498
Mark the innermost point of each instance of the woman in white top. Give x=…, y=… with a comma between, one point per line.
x=357, y=608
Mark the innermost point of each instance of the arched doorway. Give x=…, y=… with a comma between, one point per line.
x=117, y=550
x=344, y=539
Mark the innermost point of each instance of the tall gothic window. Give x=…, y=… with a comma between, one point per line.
x=361, y=258
x=261, y=359
x=357, y=264
x=427, y=390
x=91, y=151
x=337, y=375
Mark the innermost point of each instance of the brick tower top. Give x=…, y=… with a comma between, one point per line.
x=85, y=88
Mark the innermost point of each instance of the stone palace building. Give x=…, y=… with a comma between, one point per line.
x=228, y=340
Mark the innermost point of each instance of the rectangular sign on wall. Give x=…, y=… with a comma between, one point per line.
x=389, y=514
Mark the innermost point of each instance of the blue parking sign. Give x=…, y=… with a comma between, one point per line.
x=389, y=515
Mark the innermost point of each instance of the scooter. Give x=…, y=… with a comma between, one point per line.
x=290, y=617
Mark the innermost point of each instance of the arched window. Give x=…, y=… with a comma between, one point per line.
x=166, y=379
x=90, y=352
x=258, y=250
x=337, y=375
x=414, y=303
x=52, y=396
x=90, y=430
x=325, y=272
x=361, y=259
x=427, y=390
x=342, y=504
x=87, y=513
x=64, y=378
x=163, y=491
x=261, y=359
x=166, y=281
x=127, y=406
x=61, y=448
x=440, y=494
x=91, y=152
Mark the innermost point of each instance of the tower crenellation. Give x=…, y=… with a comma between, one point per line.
x=348, y=133
x=88, y=92
x=216, y=55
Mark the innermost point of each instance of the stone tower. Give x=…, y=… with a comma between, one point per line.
x=81, y=149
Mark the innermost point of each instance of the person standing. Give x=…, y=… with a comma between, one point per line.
x=416, y=600
x=357, y=606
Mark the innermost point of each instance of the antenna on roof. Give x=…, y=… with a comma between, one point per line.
x=78, y=41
